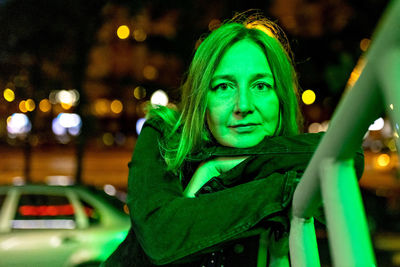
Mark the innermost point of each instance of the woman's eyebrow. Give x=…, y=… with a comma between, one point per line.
x=223, y=77
x=231, y=77
x=261, y=76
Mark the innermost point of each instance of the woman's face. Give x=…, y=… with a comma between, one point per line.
x=242, y=106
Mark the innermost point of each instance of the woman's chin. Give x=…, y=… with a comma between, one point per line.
x=242, y=141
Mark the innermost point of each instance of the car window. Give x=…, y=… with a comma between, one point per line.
x=40, y=211
x=112, y=200
x=91, y=212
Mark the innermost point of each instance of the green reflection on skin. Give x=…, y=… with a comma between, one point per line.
x=242, y=105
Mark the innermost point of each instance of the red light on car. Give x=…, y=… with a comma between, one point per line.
x=50, y=210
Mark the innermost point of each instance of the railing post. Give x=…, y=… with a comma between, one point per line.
x=303, y=243
x=348, y=233
x=388, y=73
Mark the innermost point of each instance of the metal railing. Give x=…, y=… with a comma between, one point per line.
x=330, y=175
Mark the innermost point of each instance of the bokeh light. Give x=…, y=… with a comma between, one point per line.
x=22, y=106
x=109, y=189
x=64, y=96
x=9, y=95
x=108, y=139
x=67, y=98
x=364, y=44
x=377, y=125
x=150, y=72
x=18, y=123
x=45, y=105
x=101, y=106
x=159, y=97
x=139, y=125
x=116, y=106
x=391, y=144
x=383, y=160
x=67, y=123
x=317, y=127
x=123, y=32
x=308, y=97
x=139, y=92
x=355, y=74
x=314, y=127
x=30, y=105
x=139, y=35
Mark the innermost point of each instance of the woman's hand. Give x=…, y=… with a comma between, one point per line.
x=208, y=170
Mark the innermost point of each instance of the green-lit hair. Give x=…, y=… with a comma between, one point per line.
x=187, y=129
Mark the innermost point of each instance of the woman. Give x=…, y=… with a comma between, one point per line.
x=210, y=184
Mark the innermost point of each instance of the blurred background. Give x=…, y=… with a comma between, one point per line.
x=75, y=77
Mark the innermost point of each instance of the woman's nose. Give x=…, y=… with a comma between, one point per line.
x=244, y=102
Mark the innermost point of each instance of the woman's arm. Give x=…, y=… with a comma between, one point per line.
x=170, y=226
x=206, y=171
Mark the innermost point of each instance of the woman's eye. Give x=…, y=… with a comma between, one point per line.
x=262, y=86
x=221, y=86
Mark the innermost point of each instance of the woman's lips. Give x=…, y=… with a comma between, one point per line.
x=244, y=128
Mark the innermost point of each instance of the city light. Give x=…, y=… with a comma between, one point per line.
x=139, y=35
x=364, y=44
x=139, y=92
x=139, y=125
x=391, y=144
x=63, y=180
x=44, y=105
x=101, y=106
x=355, y=74
x=22, y=106
x=308, y=97
x=18, y=180
x=314, y=127
x=110, y=189
x=30, y=105
x=150, y=72
x=69, y=120
x=377, y=125
x=159, y=97
x=108, y=139
x=383, y=160
x=66, y=98
x=67, y=123
x=116, y=106
x=9, y=95
x=123, y=32
x=18, y=123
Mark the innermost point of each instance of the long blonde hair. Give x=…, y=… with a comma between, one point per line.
x=186, y=128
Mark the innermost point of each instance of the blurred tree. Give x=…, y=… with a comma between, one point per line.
x=38, y=33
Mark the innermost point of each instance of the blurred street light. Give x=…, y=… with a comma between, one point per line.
x=308, y=97
x=18, y=124
x=123, y=32
x=9, y=95
x=159, y=97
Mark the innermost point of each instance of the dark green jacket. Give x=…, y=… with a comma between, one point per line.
x=169, y=228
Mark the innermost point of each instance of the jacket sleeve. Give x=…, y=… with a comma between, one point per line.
x=170, y=226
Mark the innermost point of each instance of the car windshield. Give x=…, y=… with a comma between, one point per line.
x=118, y=201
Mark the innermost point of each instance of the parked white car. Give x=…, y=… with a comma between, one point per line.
x=43, y=225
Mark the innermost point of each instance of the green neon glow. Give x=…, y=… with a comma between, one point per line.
x=347, y=227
